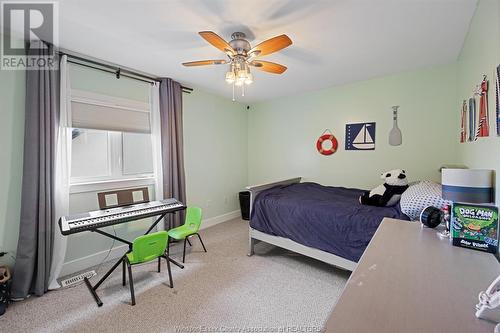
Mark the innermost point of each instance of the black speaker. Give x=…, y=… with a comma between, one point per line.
x=431, y=217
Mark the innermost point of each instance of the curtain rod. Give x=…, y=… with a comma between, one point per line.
x=114, y=69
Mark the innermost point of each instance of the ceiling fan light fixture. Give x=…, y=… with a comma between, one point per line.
x=242, y=75
x=249, y=79
x=241, y=56
x=230, y=77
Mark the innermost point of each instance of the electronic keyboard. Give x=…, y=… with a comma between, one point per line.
x=102, y=218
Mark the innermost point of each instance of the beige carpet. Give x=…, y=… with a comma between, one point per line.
x=219, y=291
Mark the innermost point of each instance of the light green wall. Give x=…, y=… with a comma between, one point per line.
x=93, y=80
x=215, y=153
x=12, y=88
x=283, y=132
x=481, y=55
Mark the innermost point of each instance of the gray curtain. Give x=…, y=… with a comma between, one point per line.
x=174, y=179
x=36, y=229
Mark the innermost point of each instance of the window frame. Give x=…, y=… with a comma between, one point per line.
x=103, y=185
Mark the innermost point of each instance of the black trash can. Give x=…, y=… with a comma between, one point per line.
x=245, y=205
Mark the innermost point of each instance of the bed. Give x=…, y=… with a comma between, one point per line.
x=323, y=222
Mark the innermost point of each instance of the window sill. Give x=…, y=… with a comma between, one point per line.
x=103, y=185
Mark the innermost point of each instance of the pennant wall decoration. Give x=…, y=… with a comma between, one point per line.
x=472, y=119
x=483, y=129
x=498, y=100
x=463, y=131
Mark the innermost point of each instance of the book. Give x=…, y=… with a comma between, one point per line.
x=475, y=226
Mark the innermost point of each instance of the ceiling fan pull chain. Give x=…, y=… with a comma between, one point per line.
x=233, y=93
x=243, y=90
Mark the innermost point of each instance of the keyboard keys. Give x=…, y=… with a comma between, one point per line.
x=115, y=216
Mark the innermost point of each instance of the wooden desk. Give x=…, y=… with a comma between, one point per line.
x=410, y=280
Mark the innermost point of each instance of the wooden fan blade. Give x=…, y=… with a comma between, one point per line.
x=268, y=66
x=271, y=45
x=217, y=41
x=204, y=63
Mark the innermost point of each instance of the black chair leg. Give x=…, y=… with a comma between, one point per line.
x=204, y=248
x=189, y=242
x=169, y=272
x=159, y=264
x=131, y=280
x=124, y=278
x=184, y=252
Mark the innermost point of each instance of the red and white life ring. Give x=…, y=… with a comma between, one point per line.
x=333, y=141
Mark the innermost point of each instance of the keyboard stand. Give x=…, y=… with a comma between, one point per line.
x=93, y=289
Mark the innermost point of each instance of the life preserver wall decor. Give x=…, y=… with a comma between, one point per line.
x=327, y=139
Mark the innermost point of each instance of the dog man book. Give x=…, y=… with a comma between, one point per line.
x=475, y=226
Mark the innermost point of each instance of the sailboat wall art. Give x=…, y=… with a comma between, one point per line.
x=360, y=136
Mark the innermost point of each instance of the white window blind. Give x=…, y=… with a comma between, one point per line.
x=102, y=112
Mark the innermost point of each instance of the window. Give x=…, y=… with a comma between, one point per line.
x=90, y=154
x=111, y=139
x=137, y=154
x=99, y=155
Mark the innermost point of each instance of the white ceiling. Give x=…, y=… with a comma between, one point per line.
x=334, y=42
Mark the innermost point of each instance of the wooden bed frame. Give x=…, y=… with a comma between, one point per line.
x=255, y=235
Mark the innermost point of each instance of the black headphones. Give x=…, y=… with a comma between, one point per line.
x=431, y=216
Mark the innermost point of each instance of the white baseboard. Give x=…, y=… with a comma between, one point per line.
x=219, y=219
x=80, y=264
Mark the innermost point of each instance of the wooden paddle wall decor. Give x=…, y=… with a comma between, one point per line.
x=395, y=136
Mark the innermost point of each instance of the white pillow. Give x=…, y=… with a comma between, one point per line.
x=419, y=196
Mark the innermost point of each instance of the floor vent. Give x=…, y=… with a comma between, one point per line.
x=77, y=278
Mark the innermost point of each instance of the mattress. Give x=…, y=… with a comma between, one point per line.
x=323, y=217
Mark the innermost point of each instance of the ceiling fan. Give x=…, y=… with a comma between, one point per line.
x=241, y=56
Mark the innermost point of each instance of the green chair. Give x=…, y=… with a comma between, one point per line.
x=144, y=249
x=188, y=229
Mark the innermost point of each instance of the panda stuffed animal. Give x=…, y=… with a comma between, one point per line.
x=389, y=193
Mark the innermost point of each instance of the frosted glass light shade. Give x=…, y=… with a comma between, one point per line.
x=242, y=74
x=230, y=77
x=249, y=79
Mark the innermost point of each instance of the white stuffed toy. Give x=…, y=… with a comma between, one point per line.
x=389, y=193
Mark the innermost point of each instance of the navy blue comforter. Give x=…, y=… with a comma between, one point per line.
x=323, y=217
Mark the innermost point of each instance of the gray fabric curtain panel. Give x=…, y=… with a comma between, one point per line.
x=36, y=229
x=174, y=179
